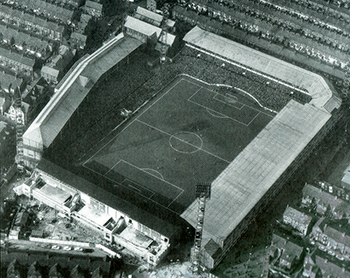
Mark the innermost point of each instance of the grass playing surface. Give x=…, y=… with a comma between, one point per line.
x=188, y=134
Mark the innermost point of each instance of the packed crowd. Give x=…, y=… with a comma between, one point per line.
x=100, y=111
x=270, y=93
x=132, y=86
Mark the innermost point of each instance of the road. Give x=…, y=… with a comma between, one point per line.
x=25, y=245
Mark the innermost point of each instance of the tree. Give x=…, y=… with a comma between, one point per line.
x=12, y=41
x=96, y=32
x=113, y=8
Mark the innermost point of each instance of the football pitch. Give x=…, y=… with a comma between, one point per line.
x=187, y=135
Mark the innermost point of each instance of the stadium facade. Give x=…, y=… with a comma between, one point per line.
x=258, y=173
x=71, y=91
x=116, y=220
x=250, y=181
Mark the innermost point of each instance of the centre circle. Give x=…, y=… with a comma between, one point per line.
x=185, y=142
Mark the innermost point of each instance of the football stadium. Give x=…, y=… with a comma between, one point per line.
x=219, y=113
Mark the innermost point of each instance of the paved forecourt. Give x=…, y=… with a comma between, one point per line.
x=188, y=134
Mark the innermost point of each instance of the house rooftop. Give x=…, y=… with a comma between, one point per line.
x=324, y=197
x=50, y=71
x=148, y=16
x=7, y=80
x=339, y=231
x=93, y=5
x=16, y=57
x=290, y=248
x=297, y=215
x=142, y=27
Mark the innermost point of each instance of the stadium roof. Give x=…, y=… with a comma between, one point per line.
x=108, y=198
x=252, y=173
x=316, y=86
x=71, y=93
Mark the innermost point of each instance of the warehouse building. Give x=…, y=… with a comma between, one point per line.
x=116, y=220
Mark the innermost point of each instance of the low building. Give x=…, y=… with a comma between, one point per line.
x=148, y=16
x=16, y=63
x=74, y=3
x=84, y=19
x=50, y=74
x=78, y=39
x=145, y=32
x=25, y=42
x=32, y=23
x=285, y=254
x=57, y=65
x=55, y=265
x=12, y=113
x=118, y=221
x=298, y=220
x=324, y=203
x=315, y=265
x=93, y=8
x=48, y=10
x=9, y=82
x=141, y=30
x=335, y=190
x=332, y=236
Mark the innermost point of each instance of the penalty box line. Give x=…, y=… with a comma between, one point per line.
x=113, y=138
x=149, y=198
x=140, y=169
x=205, y=107
x=211, y=90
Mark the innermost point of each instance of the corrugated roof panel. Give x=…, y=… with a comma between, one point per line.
x=65, y=101
x=247, y=178
x=313, y=83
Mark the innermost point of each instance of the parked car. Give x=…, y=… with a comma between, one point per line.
x=55, y=247
x=67, y=248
